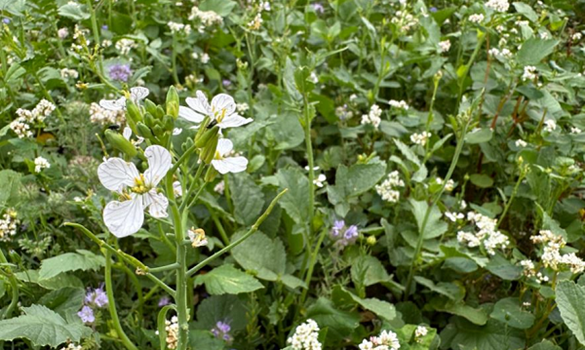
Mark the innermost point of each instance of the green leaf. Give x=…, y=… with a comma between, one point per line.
x=226, y=279
x=60, y=281
x=339, y=323
x=247, y=197
x=569, y=299
x=264, y=257
x=42, y=327
x=509, y=311
x=503, y=268
x=296, y=200
x=535, y=49
x=221, y=7
x=367, y=270
x=481, y=180
x=74, y=11
x=526, y=10
x=381, y=308
x=435, y=227
x=450, y=290
x=227, y=308
x=479, y=136
x=545, y=345
x=10, y=181
x=462, y=335
x=65, y=301
x=82, y=260
x=477, y=316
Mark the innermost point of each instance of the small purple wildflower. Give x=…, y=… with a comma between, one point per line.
x=222, y=330
x=226, y=83
x=318, y=8
x=164, y=301
x=97, y=297
x=105, y=27
x=338, y=225
x=120, y=72
x=433, y=9
x=86, y=314
x=351, y=233
x=342, y=234
x=5, y=20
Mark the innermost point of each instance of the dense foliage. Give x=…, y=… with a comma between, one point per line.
x=300, y=175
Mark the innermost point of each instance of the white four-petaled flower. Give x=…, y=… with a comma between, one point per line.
x=137, y=94
x=124, y=218
x=222, y=110
x=223, y=162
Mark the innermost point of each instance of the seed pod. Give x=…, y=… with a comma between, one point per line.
x=119, y=142
x=207, y=135
x=202, y=128
x=209, y=150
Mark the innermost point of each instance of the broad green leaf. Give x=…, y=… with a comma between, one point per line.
x=82, y=260
x=262, y=256
x=65, y=301
x=60, y=281
x=463, y=335
x=296, y=200
x=292, y=281
x=526, y=10
x=479, y=136
x=407, y=152
x=503, y=268
x=509, y=311
x=339, y=323
x=247, y=197
x=481, y=180
x=10, y=181
x=74, y=11
x=42, y=327
x=226, y=308
x=434, y=226
x=381, y=308
x=226, y=279
x=450, y=290
x=535, y=49
x=569, y=298
x=221, y=7
x=545, y=345
x=203, y=339
x=477, y=316
x=367, y=270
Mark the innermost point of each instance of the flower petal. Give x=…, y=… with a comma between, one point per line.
x=157, y=203
x=124, y=218
x=159, y=162
x=230, y=165
x=199, y=104
x=114, y=105
x=127, y=133
x=224, y=146
x=190, y=115
x=115, y=174
x=138, y=93
x=223, y=101
x=233, y=121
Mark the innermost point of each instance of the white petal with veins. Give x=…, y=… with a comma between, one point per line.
x=116, y=174
x=124, y=218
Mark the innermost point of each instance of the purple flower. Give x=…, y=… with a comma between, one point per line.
x=97, y=297
x=222, y=330
x=338, y=226
x=318, y=8
x=6, y=20
x=226, y=83
x=164, y=301
x=342, y=234
x=351, y=233
x=105, y=27
x=433, y=9
x=120, y=72
x=86, y=314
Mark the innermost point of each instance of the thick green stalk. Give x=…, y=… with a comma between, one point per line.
x=421, y=238
x=112, y=304
x=13, y=286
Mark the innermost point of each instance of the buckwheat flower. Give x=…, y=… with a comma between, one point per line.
x=224, y=163
x=67, y=73
x=577, y=36
x=529, y=73
x=498, y=5
x=387, y=340
x=420, y=332
x=476, y=18
x=386, y=189
x=197, y=237
x=468, y=239
x=373, y=117
x=521, y=143
x=8, y=225
x=120, y=72
x=172, y=329
x=320, y=180
x=86, y=314
x=242, y=107
x=137, y=191
x=40, y=164
x=343, y=113
x=544, y=35
x=179, y=28
x=72, y=346
x=256, y=23
x=444, y=45
x=399, y=104
x=550, y=125
x=102, y=116
x=575, y=130
x=220, y=187
x=125, y=45
x=204, y=58
x=21, y=128
x=222, y=110
x=420, y=139
x=106, y=43
x=306, y=337
x=207, y=18
x=222, y=330
x=454, y=216
x=63, y=33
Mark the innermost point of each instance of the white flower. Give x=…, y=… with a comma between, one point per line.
x=320, y=180
x=521, y=143
x=177, y=189
x=445, y=45
x=179, y=28
x=498, y=5
x=221, y=110
x=420, y=332
x=40, y=164
x=138, y=190
x=399, y=104
x=577, y=36
x=204, y=58
x=223, y=163
x=550, y=125
x=67, y=73
x=306, y=337
x=529, y=73
x=373, y=117
x=454, y=216
x=137, y=94
x=242, y=107
x=63, y=33
x=125, y=45
x=220, y=187
x=8, y=225
x=420, y=139
x=575, y=130
x=127, y=133
x=476, y=18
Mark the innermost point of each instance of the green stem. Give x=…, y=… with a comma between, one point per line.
x=112, y=304
x=13, y=286
x=509, y=203
x=309, y=146
x=421, y=238
x=164, y=268
x=253, y=229
x=192, y=187
x=174, y=61
x=311, y=267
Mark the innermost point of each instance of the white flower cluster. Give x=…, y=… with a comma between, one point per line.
x=399, y=104
x=207, y=18
x=501, y=54
x=445, y=45
x=67, y=73
x=172, y=328
x=575, y=130
x=420, y=332
x=498, y=5
x=476, y=18
x=102, y=116
x=373, y=117
x=125, y=45
x=453, y=216
x=521, y=143
x=550, y=125
x=256, y=23
x=552, y=256
x=242, y=107
x=449, y=186
x=577, y=36
x=8, y=225
x=22, y=125
x=72, y=346
x=486, y=234
x=404, y=20
x=40, y=164
x=529, y=73
x=306, y=337
x=387, y=190
x=420, y=139
x=179, y=28
x=387, y=340
x=204, y=58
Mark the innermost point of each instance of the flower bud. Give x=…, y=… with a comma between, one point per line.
x=209, y=150
x=133, y=114
x=143, y=130
x=207, y=135
x=371, y=240
x=172, y=102
x=210, y=174
x=119, y=142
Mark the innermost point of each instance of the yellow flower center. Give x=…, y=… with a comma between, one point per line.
x=219, y=115
x=140, y=185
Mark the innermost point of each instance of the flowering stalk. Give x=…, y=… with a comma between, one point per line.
x=421, y=238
